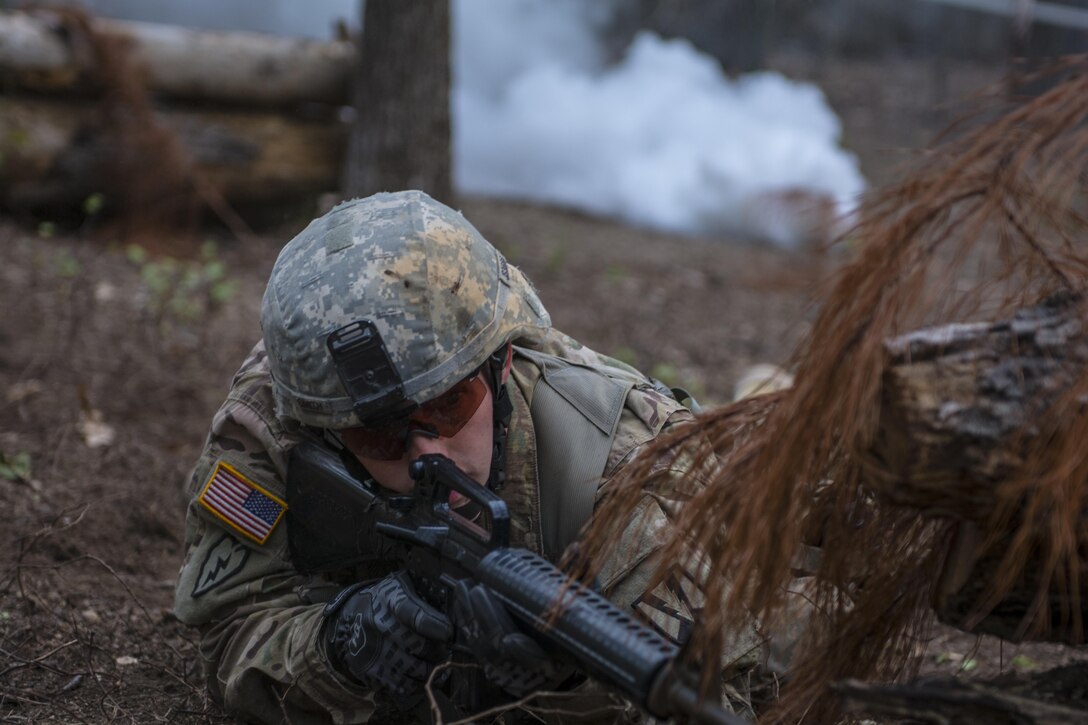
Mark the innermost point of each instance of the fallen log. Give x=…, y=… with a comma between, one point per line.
x=1055, y=697
x=56, y=153
x=44, y=51
x=961, y=405
x=963, y=408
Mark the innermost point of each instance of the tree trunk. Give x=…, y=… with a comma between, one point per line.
x=45, y=51
x=401, y=136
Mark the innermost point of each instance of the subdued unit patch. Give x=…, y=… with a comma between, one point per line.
x=222, y=561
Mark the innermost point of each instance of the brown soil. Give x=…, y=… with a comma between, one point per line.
x=92, y=536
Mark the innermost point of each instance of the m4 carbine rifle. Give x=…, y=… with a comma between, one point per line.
x=439, y=547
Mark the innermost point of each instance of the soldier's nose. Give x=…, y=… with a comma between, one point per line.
x=421, y=442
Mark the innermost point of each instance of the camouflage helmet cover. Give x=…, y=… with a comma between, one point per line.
x=441, y=297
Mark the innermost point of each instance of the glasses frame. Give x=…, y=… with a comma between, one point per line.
x=389, y=442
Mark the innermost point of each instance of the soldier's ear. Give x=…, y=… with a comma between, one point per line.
x=509, y=362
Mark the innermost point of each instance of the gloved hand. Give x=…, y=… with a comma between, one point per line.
x=510, y=658
x=385, y=636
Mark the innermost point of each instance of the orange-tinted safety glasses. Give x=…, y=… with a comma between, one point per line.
x=443, y=417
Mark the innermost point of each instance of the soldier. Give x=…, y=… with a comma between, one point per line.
x=467, y=366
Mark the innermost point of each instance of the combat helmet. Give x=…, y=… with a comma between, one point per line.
x=384, y=303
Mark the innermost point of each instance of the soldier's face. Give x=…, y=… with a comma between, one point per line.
x=470, y=448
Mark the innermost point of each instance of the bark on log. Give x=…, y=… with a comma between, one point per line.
x=53, y=153
x=962, y=407
x=39, y=52
x=401, y=139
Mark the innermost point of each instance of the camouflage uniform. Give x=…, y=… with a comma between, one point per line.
x=260, y=619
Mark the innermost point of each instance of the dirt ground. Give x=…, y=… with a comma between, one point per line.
x=112, y=362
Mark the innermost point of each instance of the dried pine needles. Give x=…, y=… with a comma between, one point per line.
x=993, y=219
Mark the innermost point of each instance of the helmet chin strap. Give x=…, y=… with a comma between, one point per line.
x=501, y=409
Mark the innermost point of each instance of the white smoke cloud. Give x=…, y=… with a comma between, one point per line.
x=663, y=139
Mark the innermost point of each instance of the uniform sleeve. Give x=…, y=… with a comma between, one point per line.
x=259, y=619
x=672, y=605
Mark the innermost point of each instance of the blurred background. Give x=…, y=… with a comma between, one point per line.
x=752, y=119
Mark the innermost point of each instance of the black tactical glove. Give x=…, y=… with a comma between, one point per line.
x=385, y=636
x=510, y=658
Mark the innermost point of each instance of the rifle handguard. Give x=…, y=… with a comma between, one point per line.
x=604, y=641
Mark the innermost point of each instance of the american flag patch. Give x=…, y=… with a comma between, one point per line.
x=236, y=500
